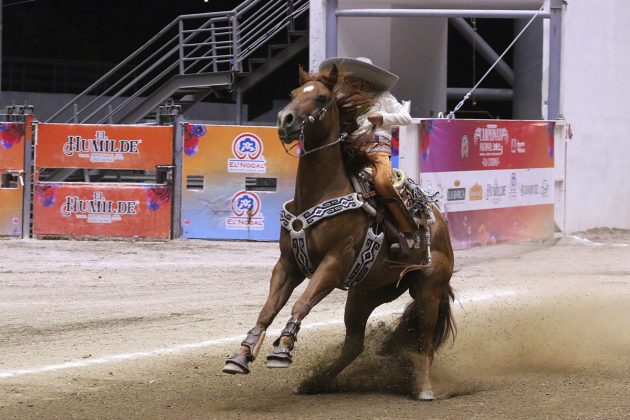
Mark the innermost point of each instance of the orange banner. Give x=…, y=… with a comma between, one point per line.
x=102, y=210
x=103, y=146
x=12, y=141
x=11, y=145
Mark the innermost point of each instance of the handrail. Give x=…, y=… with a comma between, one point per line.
x=190, y=44
x=113, y=70
x=118, y=82
x=153, y=66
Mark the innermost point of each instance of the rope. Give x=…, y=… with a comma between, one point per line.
x=451, y=115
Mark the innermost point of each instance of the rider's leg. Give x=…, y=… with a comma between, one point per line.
x=385, y=189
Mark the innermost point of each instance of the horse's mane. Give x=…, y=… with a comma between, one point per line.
x=352, y=103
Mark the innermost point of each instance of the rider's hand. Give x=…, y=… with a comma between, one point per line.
x=375, y=119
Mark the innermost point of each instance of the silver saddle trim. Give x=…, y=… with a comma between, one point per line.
x=366, y=258
x=321, y=211
x=313, y=215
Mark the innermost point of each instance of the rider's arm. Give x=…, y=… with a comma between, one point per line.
x=392, y=111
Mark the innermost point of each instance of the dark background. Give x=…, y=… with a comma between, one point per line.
x=91, y=36
x=91, y=30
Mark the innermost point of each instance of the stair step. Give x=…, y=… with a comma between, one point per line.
x=256, y=60
x=276, y=48
x=297, y=34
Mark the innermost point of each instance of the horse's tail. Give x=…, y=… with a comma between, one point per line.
x=445, y=327
x=409, y=323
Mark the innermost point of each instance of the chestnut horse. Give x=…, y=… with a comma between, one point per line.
x=313, y=118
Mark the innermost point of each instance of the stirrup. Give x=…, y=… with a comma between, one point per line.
x=405, y=245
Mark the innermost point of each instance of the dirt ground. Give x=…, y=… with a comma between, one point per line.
x=119, y=330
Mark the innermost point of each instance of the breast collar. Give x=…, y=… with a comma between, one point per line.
x=297, y=225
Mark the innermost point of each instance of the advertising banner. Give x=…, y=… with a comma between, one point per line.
x=496, y=178
x=140, y=211
x=236, y=179
x=103, y=146
x=11, y=211
x=12, y=143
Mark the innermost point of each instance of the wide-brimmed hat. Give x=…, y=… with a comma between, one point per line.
x=362, y=68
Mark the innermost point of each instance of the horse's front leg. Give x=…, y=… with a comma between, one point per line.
x=284, y=279
x=325, y=279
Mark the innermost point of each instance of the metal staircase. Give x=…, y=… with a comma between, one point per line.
x=192, y=57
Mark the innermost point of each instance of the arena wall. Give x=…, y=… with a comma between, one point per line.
x=595, y=103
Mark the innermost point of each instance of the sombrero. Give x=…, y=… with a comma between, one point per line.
x=362, y=68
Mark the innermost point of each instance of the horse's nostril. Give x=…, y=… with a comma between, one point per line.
x=289, y=119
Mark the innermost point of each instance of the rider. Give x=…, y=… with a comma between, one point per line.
x=378, y=121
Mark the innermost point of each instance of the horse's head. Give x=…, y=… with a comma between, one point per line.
x=311, y=108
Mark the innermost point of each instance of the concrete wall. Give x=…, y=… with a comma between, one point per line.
x=595, y=102
x=413, y=48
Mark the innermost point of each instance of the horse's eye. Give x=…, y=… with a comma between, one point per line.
x=321, y=100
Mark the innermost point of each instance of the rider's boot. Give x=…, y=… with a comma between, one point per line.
x=408, y=226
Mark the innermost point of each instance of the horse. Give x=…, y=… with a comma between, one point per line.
x=323, y=183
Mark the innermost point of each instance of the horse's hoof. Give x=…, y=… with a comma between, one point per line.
x=280, y=357
x=233, y=369
x=426, y=395
x=278, y=363
x=237, y=363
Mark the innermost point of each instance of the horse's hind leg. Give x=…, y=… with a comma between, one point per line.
x=359, y=306
x=433, y=296
x=284, y=279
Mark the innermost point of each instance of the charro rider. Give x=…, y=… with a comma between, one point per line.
x=377, y=122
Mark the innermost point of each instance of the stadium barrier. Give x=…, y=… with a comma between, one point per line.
x=15, y=140
x=139, y=208
x=235, y=180
x=495, y=177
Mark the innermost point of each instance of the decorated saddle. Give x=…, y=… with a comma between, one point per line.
x=418, y=202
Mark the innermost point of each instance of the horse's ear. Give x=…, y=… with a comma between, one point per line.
x=304, y=76
x=330, y=79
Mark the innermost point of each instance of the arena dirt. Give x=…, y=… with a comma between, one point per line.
x=543, y=332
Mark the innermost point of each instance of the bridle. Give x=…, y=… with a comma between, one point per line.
x=318, y=115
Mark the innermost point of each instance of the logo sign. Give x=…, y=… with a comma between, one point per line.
x=456, y=194
x=535, y=189
x=475, y=193
x=513, y=194
x=98, y=209
x=544, y=188
x=518, y=146
x=465, y=147
x=495, y=192
x=246, y=210
x=247, y=149
x=100, y=148
x=491, y=141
